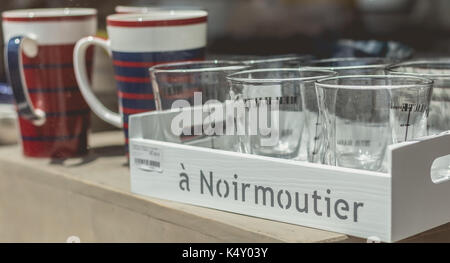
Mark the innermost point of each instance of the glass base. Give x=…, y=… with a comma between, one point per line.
x=440, y=174
x=360, y=161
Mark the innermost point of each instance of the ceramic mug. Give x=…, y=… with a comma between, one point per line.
x=53, y=115
x=137, y=42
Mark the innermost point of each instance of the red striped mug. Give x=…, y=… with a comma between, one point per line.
x=53, y=115
x=137, y=42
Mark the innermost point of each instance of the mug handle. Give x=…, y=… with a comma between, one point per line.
x=16, y=77
x=79, y=64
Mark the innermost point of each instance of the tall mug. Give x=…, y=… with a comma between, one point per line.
x=53, y=116
x=137, y=42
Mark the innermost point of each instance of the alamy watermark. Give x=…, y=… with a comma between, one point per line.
x=250, y=116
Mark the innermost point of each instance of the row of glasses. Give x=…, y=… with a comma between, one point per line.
x=176, y=84
x=171, y=81
x=174, y=81
x=342, y=112
x=349, y=120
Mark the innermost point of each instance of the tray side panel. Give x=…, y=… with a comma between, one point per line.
x=336, y=199
x=418, y=204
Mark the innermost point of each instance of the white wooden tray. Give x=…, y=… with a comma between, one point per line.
x=389, y=206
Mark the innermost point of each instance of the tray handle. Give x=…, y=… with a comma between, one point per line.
x=418, y=204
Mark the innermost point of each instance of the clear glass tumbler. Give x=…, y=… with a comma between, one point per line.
x=195, y=84
x=364, y=114
x=342, y=66
x=273, y=118
x=439, y=118
x=173, y=81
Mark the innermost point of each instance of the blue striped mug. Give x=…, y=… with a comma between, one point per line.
x=137, y=42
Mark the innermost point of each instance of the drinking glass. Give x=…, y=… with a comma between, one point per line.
x=183, y=81
x=273, y=118
x=172, y=81
x=439, y=118
x=364, y=114
x=342, y=66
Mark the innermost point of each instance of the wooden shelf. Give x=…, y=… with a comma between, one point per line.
x=43, y=200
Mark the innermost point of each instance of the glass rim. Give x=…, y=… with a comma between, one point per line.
x=344, y=59
x=391, y=68
x=177, y=66
x=425, y=82
x=233, y=77
x=280, y=58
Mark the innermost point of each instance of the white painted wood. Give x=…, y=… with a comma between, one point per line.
x=370, y=189
x=392, y=210
x=418, y=204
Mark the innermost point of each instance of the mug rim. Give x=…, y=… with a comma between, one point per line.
x=425, y=82
x=233, y=77
x=120, y=9
x=232, y=65
x=161, y=17
x=391, y=69
x=48, y=14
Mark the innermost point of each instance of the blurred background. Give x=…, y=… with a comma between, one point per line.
x=323, y=28
x=296, y=26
